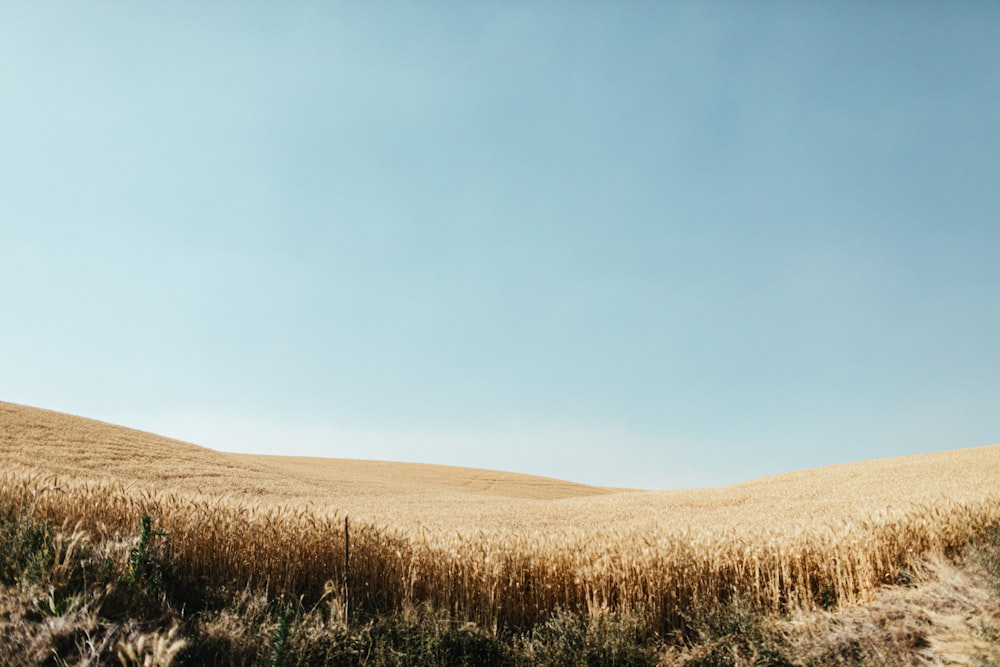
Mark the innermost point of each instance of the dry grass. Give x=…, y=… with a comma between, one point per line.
x=501, y=549
x=947, y=614
x=946, y=611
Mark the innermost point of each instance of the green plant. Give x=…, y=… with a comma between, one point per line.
x=141, y=567
x=612, y=639
x=730, y=634
x=279, y=638
x=985, y=551
x=57, y=603
x=26, y=551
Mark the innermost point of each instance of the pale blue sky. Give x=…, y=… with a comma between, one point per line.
x=644, y=244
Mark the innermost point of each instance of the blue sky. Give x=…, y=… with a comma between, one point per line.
x=644, y=244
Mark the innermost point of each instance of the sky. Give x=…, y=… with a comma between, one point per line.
x=646, y=244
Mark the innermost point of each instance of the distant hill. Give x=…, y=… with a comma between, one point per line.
x=85, y=449
x=459, y=498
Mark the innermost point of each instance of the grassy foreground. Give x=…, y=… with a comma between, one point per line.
x=69, y=596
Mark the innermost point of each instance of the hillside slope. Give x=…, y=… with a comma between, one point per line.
x=54, y=443
x=453, y=498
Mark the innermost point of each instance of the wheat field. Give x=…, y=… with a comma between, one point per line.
x=498, y=548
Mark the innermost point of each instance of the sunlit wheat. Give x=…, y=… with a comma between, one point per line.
x=809, y=539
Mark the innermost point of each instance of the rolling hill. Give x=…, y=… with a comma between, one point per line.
x=455, y=498
x=870, y=549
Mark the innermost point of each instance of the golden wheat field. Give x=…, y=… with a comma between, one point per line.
x=500, y=548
